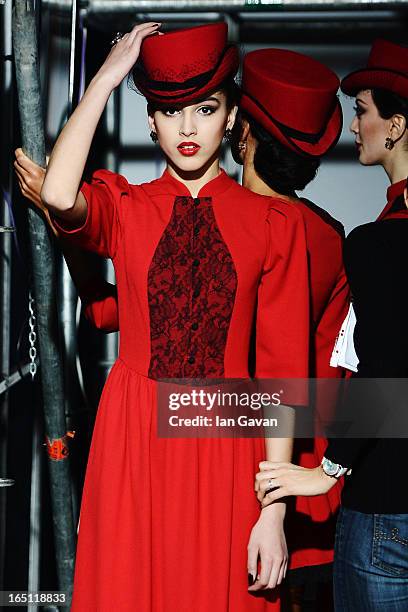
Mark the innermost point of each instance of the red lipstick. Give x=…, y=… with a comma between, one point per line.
x=188, y=148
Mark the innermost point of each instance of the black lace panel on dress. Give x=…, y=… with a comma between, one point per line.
x=192, y=283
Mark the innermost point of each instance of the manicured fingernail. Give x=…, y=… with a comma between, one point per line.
x=251, y=579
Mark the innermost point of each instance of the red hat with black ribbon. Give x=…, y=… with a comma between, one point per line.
x=387, y=68
x=293, y=97
x=184, y=65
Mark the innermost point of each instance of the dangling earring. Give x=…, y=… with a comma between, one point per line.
x=227, y=135
x=153, y=136
x=242, y=146
x=389, y=143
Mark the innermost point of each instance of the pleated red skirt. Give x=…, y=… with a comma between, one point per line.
x=164, y=523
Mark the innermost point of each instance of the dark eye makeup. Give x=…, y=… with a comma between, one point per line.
x=358, y=110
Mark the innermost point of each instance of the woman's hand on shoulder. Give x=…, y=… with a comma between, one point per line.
x=125, y=53
x=267, y=544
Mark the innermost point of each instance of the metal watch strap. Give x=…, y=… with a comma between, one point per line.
x=340, y=470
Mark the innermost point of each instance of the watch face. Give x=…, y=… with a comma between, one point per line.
x=329, y=467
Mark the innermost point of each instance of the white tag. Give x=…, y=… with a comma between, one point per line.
x=344, y=354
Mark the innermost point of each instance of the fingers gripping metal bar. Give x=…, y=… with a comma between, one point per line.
x=44, y=280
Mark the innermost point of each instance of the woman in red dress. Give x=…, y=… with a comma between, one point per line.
x=289, y=118
x=165, y=522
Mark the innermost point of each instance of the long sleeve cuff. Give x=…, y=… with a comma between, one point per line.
x=345, y=451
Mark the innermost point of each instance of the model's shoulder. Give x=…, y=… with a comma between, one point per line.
x=366, y=231
x=365, y=240
x=119, y=185
x=265, y=203
x=284, y=208
x=109, y=178
x=320, y=216
x=387, y=232
x=246, y=195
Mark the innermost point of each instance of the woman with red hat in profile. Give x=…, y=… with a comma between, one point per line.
x=289, y=118
x=371, y=552
x=165, y=522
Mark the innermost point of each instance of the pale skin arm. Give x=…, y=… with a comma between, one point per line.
x=67, y=162
x=267, y=540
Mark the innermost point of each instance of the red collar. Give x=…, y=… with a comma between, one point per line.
x=390, y=211
x=168, y=184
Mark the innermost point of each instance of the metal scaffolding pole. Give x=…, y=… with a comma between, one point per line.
x=44, y=282
x=98, y=7
x=232, y=6
x=5, y=269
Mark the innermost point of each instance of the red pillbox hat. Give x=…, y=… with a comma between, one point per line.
x=182, y=66
x=387, y=68
x=293, y=97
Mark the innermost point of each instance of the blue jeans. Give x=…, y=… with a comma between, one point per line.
x=371, y=562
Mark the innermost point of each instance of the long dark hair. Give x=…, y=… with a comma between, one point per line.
x=279, y=167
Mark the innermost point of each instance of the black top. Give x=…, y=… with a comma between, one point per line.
x=376, y=261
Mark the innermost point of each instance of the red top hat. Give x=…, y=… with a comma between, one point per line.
x=387, y=68
x=294, y=98
x=184, y=65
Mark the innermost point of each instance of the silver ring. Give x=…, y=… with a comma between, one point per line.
x=118, y=36
x=271, y=486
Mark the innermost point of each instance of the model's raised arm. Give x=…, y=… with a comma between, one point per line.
x=68, y=158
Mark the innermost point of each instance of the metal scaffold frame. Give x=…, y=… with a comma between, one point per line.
x=100, y=7
x=229, y=6
x=25, y=48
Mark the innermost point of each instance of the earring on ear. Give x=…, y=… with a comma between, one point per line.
x=153, y=136
x=227, y=135
x=389, y=143
x=242, y=146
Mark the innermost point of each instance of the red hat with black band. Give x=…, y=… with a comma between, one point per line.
x=387, y=68
x=181, y=66
x=294, y=97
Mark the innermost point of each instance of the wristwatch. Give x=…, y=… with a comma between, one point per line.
x=334, y=469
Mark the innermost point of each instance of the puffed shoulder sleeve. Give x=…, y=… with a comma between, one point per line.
x=104, y=195
x=282, y=328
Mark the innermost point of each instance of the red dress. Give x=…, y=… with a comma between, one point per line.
x=165, y=523
x=310, y=521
